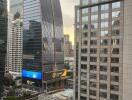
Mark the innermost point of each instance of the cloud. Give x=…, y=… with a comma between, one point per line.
x=68, y=17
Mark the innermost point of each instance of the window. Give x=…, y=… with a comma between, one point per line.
x=94, y=25
x=92, y=76
x=115, y=42
x=92, y=92
x=84, y=18
x=104, y=51
x=103, y=59
x=84, y=2
x=93, y=42
x=103, y=68
x=85, y=42
x=94, y=17
x=93, y=67
x=104, y=16
x=115, y=14
x=84, y=91
x=92, y=84
x=105, y=7
x=103, y=94
x=84, y=50
x=94, y=9
x=115, y=32
x=115, y=50
x=84, y=10
x=93, y=34
x=93, y=50
x=104, y=42
x=114, y=88
x=94, y=1
x=104, y=24
x=115, y=69
x=103, y=86
x=83, y=58
x=116, y=5
x=85, y=34
x=93, y=59
x=116, y=23
x=104, y=33
x=83, y=66
x=114, y=97
x=103, y=77
x=115, y=78
x=114, y=60
x=85, y=26
x=83, y=98
x=83, y=74
x=83, y=82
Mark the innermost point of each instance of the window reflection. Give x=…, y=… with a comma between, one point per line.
x=104, y=16
x=85, y=11
x=104, y=33
x=94, y=9
x=94, y=25
x=105, y=7
x=84, y=2
x=116, y=5
x=104, y=42
x=94, y=17
x=104, y=24
x=115, y=14
x=84, y=18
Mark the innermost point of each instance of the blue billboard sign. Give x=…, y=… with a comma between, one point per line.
x=32, y=74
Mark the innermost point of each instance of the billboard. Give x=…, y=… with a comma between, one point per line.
x=32, y=74
x=55, y=75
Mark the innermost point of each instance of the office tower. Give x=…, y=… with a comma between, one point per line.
x=3, y=41
x=43, y=56
x=76, y=51
x=68, y=50
x=105, y=44
x=15, y=37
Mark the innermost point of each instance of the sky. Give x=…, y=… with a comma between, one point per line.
x=68, y=17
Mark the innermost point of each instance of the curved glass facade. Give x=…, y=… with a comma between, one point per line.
x=43, y=35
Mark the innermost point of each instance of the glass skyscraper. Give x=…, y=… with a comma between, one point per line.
x=3, y=41
x=42, y=38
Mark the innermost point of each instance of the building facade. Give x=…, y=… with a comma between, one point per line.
x=3, y=41
x=68, y=49
x=76, y=51
x=15, y=37
x=43, y=54
x=104, y=60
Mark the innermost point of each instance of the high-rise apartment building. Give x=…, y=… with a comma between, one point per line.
x=15, y=36
x=105, y=44
x=43, y=54
x=3, y=41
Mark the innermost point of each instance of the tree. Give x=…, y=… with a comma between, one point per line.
x=11, y=98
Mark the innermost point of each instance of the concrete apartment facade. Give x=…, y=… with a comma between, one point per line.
x=105, y=44
x=15, y=37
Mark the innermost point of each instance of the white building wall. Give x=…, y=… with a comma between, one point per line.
x=127, y=51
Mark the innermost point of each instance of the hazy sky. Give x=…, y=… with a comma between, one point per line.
x=68, y=17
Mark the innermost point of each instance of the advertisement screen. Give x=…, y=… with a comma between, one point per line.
x=32, y=74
